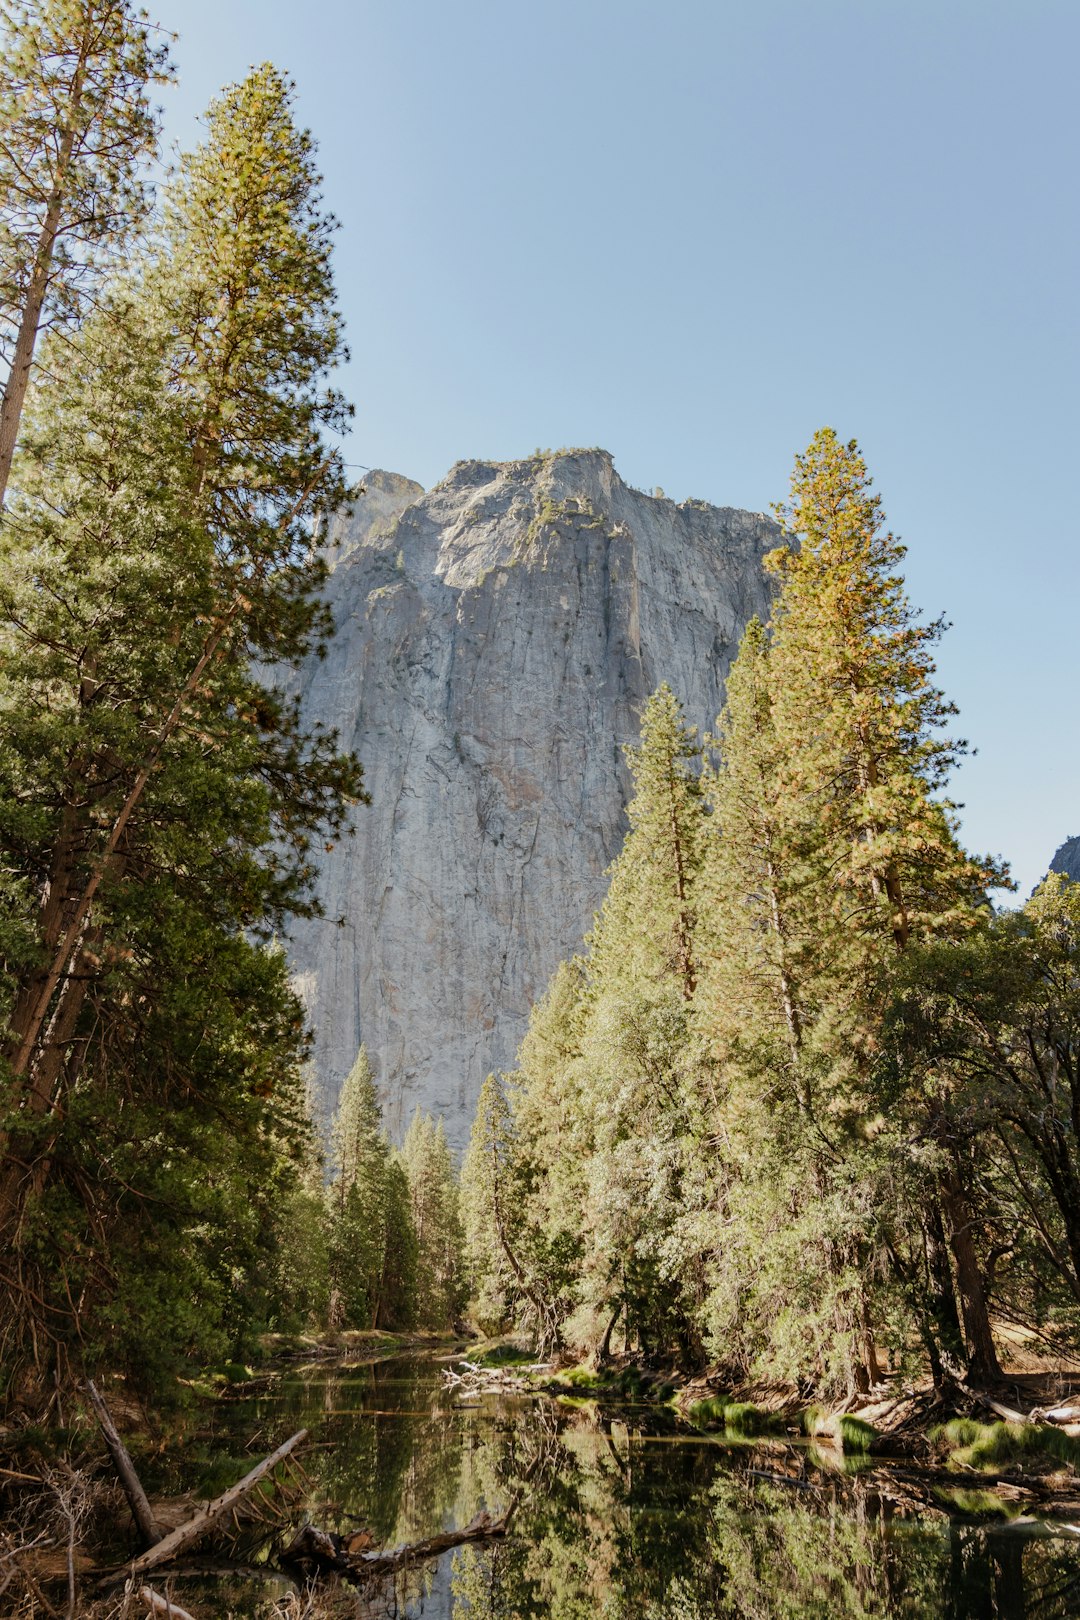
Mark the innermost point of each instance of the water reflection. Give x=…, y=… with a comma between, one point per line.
x=622, y=1515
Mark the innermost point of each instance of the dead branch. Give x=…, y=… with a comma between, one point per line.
x=162, y=1605
x=316, y=1553
x=172, y=1545
x=129, y=1479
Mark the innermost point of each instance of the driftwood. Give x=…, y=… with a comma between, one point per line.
x=1037, y=1414
x=315, y=1552
x=129, y=1479
x=162, y=1605
x=470, y=1378
x=178, y=1541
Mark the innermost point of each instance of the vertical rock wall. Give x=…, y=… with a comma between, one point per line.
x=496, y=638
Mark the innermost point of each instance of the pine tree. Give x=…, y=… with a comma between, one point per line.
x=76, y=130
x=590, y=1147
x=755, y=919
x=358, y=1197
x=858, y=720
x=436, y=1221
x=849, y=853
x=505, y=1251
x=395, y=1305
x=650, y=901
x=160, y=805
x=356, y=1139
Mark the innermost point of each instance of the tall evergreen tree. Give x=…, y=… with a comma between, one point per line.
x=755, y=926
x=648, y=916
x=157, y=798
x=436, y=1220
x=863, y=763
x=358, y=1197
x=76, y=130
x=505, y=1249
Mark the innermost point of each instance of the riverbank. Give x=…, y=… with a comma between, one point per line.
x=397, y=1454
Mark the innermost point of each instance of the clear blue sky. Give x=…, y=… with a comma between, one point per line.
x=694, y=232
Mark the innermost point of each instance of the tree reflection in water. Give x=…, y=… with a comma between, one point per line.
x=622, y=1514
x=626, y=1527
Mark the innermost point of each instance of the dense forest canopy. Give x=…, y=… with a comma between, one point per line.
x=805, y=1107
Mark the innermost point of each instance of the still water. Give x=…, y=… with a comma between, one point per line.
x=625, y=1513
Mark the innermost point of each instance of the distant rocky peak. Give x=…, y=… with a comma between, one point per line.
x=1067, y=859
x=370, y=514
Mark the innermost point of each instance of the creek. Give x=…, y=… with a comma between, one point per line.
x=625, y=1512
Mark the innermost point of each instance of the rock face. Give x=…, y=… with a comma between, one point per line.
x=496, y=638
x=1067, y=859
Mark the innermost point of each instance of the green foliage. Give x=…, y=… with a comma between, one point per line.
x=709, y=1413
x=436, y=1219
x=803, y=1100
x=76, y=134
x=855, y=1434
x=158, y=800
x=745, y=1419
x=993, y=1446
x=377, y=1256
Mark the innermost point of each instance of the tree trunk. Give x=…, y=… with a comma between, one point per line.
x=983, y=1364
x=11, y=407
x=943, y=1331
x=129, y=1479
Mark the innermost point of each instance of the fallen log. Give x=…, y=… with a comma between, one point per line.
x=172, y=1545
x=145, y=1523
x=1037, y=1414
x=316, y=1552
x=162, y=1605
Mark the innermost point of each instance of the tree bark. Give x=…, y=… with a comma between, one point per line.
x=11, y=407
x=129, y=1479
x=983, y=1364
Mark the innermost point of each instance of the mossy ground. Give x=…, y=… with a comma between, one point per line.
x=996, y=1447
x=740, y=1418
x=852, y=1434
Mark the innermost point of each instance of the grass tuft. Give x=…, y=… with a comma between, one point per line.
x=855, y=1434
x=704, y=1414
x=991, y=1446
x=746, y=1419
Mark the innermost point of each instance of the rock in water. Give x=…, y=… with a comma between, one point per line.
x=496, y=639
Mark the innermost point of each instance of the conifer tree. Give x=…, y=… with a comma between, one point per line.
x=356, y=1139
x=436, y=1221
x=505, y=1249
x=358, y=1197
x=395, y=1303
x=594, y=1148
x=755, y=923
x=651, y=897
x=844, y=851
x=858, y=721
x=76, y=131
x=161, y=804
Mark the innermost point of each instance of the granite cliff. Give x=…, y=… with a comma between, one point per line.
x=496, y=638
x=1067, y=859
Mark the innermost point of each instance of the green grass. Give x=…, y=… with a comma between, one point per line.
x=740, y=1418
x=992, y=1446
x=709, y=1412
x=852, y=1434
x=855, y=1433
x=626, y=1384
x=505, y=1355
x=745, y=1419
